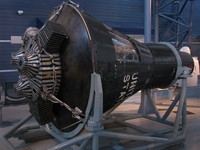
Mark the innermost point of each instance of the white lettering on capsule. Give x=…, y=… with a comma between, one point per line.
x=130, y=82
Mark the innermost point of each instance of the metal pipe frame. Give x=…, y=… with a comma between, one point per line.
x=156, y=20
x=145, y=107
x=176, y=19
x=157, y=138
x=147, y=21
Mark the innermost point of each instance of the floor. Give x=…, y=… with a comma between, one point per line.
x=13, y=114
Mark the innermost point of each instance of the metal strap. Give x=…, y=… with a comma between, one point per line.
x=76, y=113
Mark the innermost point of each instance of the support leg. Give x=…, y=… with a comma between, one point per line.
x=171, y=107
x=72, y=141
x=180, y=109
x=10, y=133
x=152, y=102
x=95, y=142
x=184, y=117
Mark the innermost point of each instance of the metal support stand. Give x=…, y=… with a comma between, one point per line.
x=146, y=106
x=95, y=131
x=96, y=121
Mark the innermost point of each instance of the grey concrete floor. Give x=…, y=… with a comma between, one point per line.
x=13, y=114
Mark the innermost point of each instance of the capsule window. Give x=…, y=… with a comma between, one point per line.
x=125, y=50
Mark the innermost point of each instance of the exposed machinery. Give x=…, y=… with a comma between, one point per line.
x=56, y=63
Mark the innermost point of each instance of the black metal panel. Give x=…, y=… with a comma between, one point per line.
x=94, y=47
x=77, y=65
x=164, y=65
